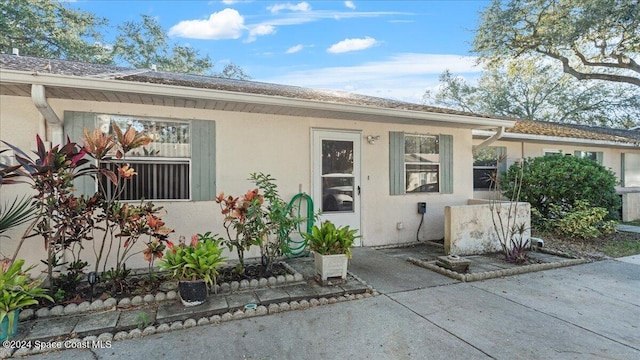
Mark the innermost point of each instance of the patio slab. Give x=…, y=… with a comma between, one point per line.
x=52, y=328
x=134, y=318
x=238, y=301
x=299, y=292
x=175, y=311
x=94, y=324
x=270, y=296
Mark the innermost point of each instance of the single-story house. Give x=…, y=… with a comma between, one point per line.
x=366, y=162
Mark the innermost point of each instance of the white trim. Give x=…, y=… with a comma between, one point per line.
x=556, y=139
x=21, y=77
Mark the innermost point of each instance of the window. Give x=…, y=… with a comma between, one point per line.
x=591, y=155
x=420, y=163
x=179, y=164
x=163, y=166
x=488, y=163
x=549, y=152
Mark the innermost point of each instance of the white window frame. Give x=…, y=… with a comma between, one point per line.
x=159, y=160
x=424, y=163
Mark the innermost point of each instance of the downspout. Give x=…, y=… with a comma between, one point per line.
x=51, y=119
x=490, y=140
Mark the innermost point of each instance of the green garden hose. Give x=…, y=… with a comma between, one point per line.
x=298, y=247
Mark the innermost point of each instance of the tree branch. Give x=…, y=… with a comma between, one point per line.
x=621, y=64
x=589, y=76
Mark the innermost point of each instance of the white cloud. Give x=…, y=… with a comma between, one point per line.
x=350, y=5
x=260, y=30
x=403, y=76
x=347, y=45
x=226, y=24
x=294, y=49
x=303, y=6
x=229, y=2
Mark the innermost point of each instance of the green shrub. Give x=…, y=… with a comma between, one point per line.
x=560, y=181
x=583, y=221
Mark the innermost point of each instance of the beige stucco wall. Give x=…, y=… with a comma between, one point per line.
x=280, y=146
x=473, y=229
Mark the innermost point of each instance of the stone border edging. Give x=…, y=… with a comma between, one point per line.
x=261, y=310
x=125, y=303
x=495, y=273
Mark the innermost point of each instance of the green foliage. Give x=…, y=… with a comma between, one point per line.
x=562, y=180
x=51, y=29
x=530, y=89
x=592, y=39
x=18, y=290
x=197, y=261
x=582, y=221
x=264, y=220
x=16, y=213
x=331, y=240
x=141, y=44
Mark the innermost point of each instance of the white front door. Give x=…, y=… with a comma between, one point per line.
x=336, y=177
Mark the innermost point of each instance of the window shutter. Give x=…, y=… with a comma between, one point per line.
x=396, y=163
x=501, y=151
x=203, y=160
x=446, y=164
x=74, y=125
x=622, y=170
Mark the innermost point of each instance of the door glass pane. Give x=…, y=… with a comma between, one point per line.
x=337, y=176
x=337, y=157
x=337, y=193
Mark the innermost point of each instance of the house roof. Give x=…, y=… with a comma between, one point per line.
x=586, y=132
x=388, y=110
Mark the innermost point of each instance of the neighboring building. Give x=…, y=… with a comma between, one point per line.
x=617, y=149
x=366, y=161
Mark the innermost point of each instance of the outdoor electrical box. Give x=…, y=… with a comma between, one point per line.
x=422, y=207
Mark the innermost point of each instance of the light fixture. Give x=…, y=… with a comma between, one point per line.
x=92, y=278
x=372, y=139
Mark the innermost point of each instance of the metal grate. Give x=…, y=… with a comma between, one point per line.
x=157, y=180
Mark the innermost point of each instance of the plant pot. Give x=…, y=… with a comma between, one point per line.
x=331, y=267
x=9, y=325
x=193, y=293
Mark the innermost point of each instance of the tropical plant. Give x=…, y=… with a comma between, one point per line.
x=18, y=290
x=19, y=211
x=261, y=218
x=199, y=260
x=331, y=240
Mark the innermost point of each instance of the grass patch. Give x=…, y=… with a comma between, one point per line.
x=622, y=248
x=632, y=223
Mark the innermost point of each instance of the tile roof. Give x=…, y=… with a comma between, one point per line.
x=533, y=127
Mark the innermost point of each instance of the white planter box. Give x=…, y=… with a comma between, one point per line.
x=331, y=266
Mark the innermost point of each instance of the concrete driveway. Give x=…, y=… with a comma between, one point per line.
x=589, y=311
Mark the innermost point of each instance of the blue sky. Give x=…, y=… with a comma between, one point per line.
x=391, y=49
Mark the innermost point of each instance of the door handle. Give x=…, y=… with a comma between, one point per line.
x=358, y=189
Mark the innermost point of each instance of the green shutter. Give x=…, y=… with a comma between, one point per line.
x=74, y=125
x=446, y=164
x=203, y=160
x=396, y=163
x=622, y=170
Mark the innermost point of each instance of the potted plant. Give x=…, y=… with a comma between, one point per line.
x=18, y=291
x=195, y=266
x=331, y=247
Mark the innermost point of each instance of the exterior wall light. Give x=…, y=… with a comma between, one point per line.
x=372, y=139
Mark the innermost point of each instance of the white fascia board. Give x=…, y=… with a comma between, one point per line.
x=21, y=77
x=555, y=139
